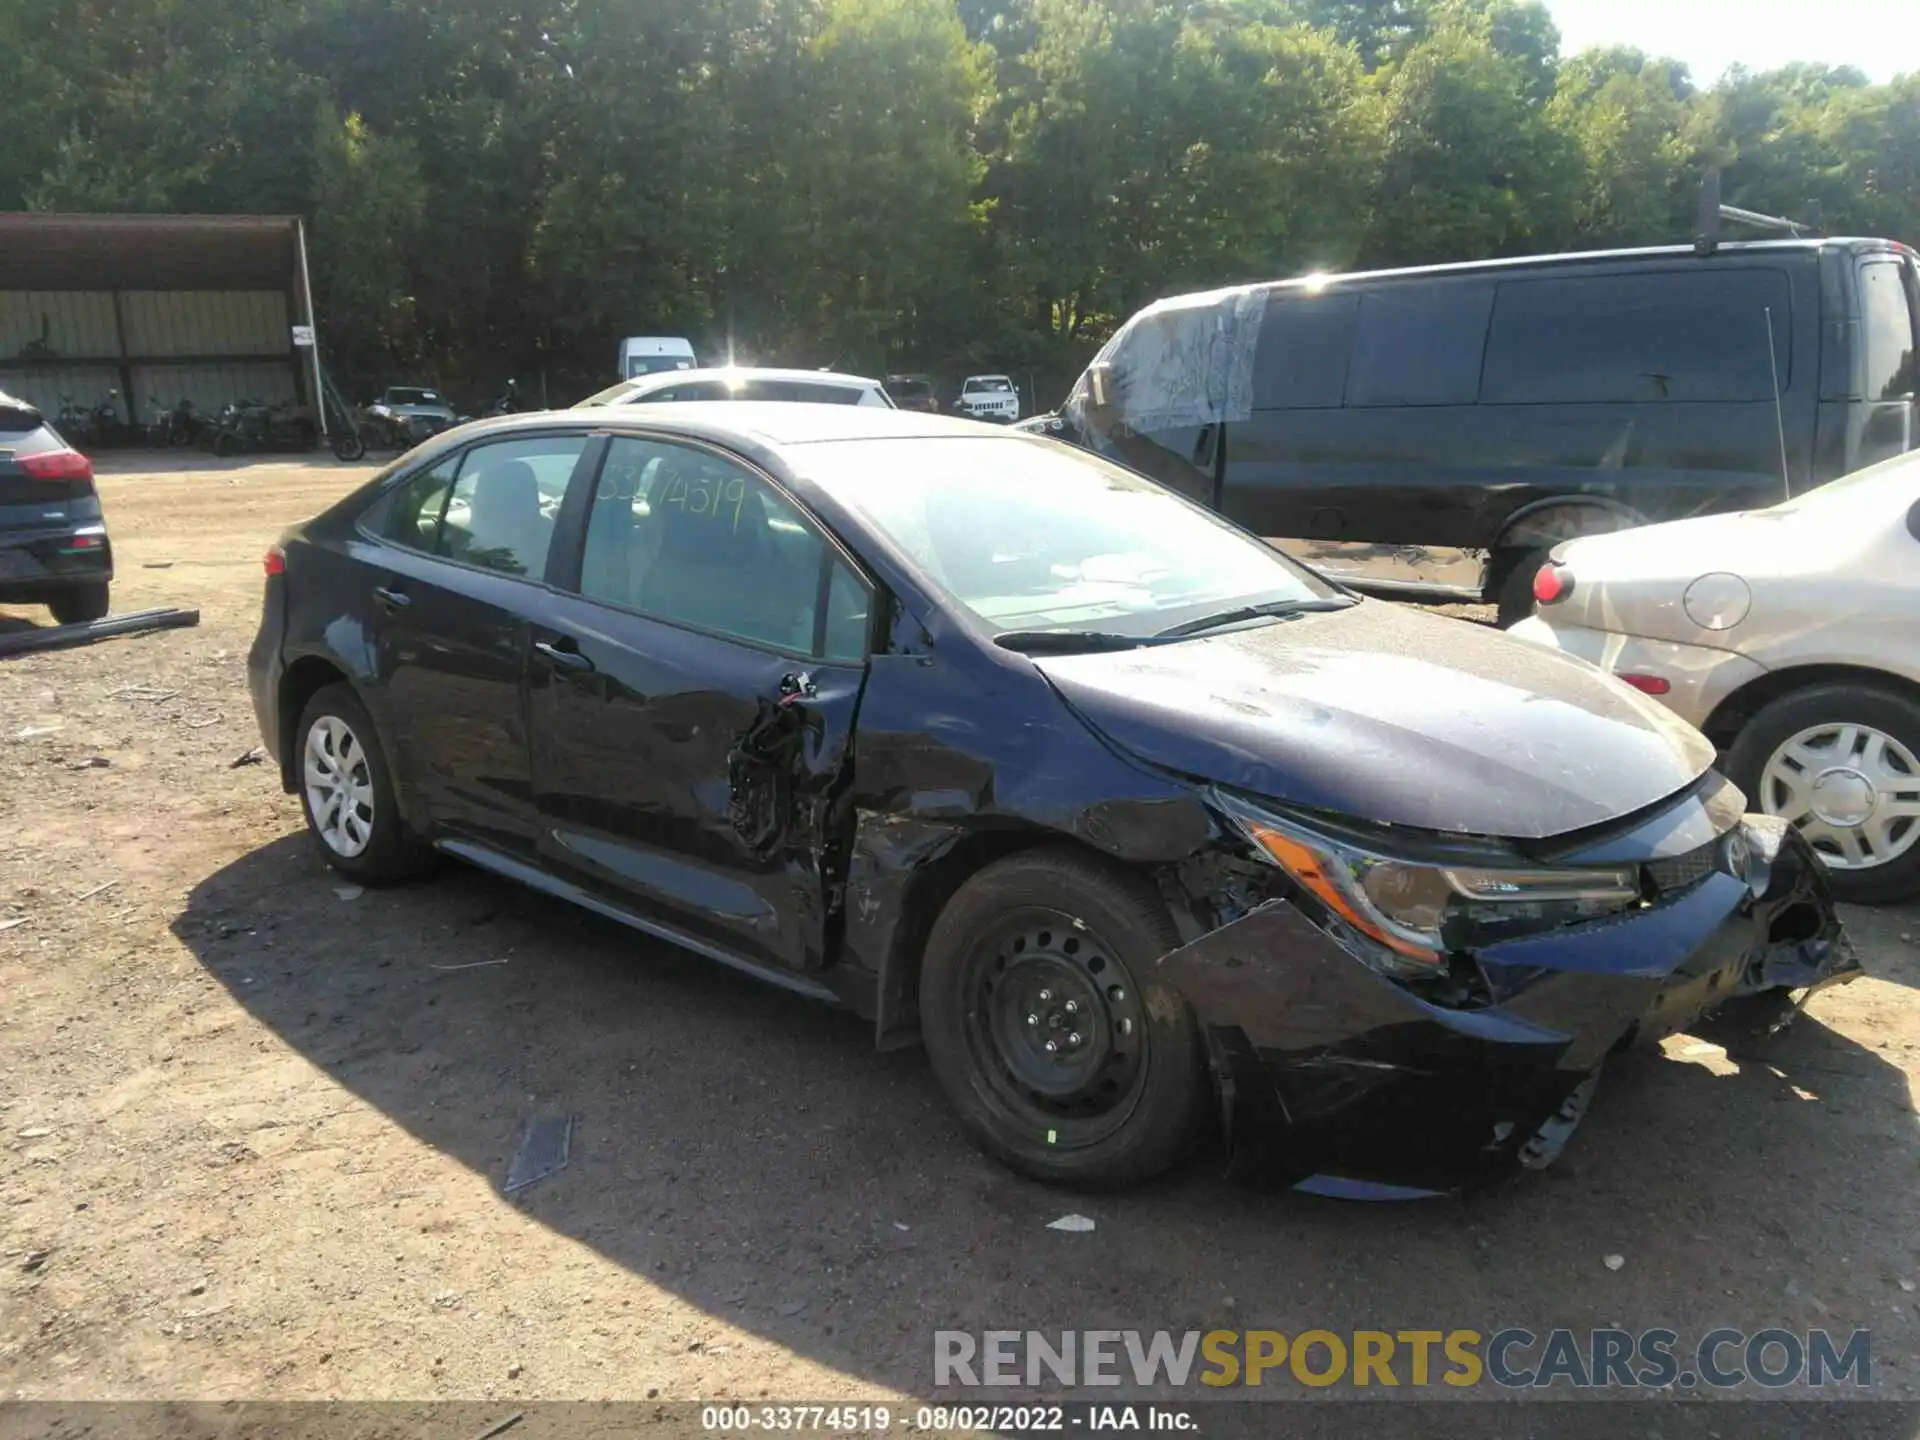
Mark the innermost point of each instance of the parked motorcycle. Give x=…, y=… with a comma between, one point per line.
x=105, y=425
x=379, y=427
x=179, y=426
x=249, y=425
x=72, y=423
x=508, y=402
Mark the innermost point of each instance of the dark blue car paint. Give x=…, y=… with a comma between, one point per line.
x=895, y=787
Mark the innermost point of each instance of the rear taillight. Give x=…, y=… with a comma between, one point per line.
x=56, y=465
x=1552, y=584
x=275, y=561
x=1648, y=684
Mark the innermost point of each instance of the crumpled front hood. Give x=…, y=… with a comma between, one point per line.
x=1392, y=716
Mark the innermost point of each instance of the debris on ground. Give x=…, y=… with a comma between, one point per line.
x=252, y=757
x=1614, y=1262
x=470, y=965
x=62, y=637
x=349, y=892
x=503, y=1426
x=544, y=1146
x=1075, y=1223
x=12, y=921
x=100, y=889
x=92, y=762
x=33, y=730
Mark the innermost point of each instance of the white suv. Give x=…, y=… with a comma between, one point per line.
x=990, y=397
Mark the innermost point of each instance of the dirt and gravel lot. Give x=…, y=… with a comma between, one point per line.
x=254, y=1126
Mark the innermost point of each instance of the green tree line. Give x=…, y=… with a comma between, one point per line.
x=501, y=187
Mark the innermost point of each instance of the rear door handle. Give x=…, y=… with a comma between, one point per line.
x=563, y=656
x=390, y=599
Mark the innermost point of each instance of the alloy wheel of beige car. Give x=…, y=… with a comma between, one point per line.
x=1852, y=790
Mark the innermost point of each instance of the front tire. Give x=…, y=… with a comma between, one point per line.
x=80, y=604
x=1841, y=763
x=1048, y=1028
x=346, y=792
x=348, y=445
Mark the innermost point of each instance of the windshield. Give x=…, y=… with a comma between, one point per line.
x=656, y=364
x=403, y=396
x=1027, y=534
x=994, y=384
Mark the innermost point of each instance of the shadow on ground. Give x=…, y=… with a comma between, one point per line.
x=752, y=1152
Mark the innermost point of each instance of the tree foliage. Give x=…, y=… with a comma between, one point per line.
x=498, y=185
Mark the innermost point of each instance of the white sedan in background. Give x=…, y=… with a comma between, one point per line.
x=1791, y=636
x=744, y=382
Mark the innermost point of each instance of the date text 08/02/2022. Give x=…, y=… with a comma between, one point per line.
x=941, y=1419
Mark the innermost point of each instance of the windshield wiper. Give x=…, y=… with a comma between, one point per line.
x=1067, y=642
x=1255, y=612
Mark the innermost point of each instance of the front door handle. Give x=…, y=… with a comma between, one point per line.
x=391, y=599
x=563, y=656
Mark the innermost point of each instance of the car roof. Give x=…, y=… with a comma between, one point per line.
x=756, y=423
x=661, y=379
x=1719, y=255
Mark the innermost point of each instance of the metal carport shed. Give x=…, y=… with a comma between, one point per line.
x=158, y=307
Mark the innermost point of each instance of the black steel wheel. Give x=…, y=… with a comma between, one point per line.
x=1063, y=1053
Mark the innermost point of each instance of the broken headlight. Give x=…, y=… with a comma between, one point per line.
x=1415, y=911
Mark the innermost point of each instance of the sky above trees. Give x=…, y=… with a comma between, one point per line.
x=1880, y=39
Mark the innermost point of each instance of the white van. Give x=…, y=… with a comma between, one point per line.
x=650, y=354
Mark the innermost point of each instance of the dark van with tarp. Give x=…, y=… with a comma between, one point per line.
x=1440, y=429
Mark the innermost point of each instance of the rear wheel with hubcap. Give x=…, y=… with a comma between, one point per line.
x=346, y=791
x=1841, y=763
x=1063, y=1053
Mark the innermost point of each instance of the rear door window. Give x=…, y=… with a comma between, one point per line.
x=1887, y=326
x=1696, y=336
x=501, y=512
x=1420, y=344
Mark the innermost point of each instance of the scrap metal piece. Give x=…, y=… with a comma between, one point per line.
x=63, y=637
x=543, y=1151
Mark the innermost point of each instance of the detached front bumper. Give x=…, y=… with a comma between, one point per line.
x=1334, y=1074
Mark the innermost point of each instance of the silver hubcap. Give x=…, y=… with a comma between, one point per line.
x=1852, y=790
x=339, y=787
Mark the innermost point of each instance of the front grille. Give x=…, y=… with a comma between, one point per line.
x=1683, y=872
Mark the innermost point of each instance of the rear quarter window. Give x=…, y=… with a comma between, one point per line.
x=1701, y=335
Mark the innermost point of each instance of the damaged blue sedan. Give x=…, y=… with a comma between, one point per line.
x=1142, y=829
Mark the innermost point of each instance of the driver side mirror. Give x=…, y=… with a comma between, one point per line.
x=1099, y=384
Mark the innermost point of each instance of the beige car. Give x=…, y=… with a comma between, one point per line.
x=1791, y=636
